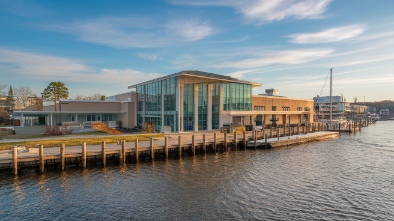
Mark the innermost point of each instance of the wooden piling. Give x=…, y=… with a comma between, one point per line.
x=265, y=141
x=166, y=147
x=193, y=145
x=62, y=159
x=152, y=151
x=204, y=144
x=103, y=153
x=255, y=139
x=180, y=145
x=244, y=139
x=41, y=157
x=15, y=160
x=225, y=140
x=271, y=131
x=278, y=133
x=235, y=140
x=123, y=155
x=136, y=150
x=84, y=155
x=214, y=141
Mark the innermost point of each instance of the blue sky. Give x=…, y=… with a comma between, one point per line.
x=105, y=46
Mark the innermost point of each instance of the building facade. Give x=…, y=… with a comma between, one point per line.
x=195, y=100
x=340, y=108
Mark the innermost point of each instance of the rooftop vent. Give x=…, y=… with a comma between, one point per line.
x=272, y=92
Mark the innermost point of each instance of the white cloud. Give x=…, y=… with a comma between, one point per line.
x=281, y=57
x=38, y=67
x=151, y=57
x=190, y=30
x=262, y=11
x=329, y=35
x=135, y=32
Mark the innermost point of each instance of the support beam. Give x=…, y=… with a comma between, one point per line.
x=166, y=147
x=193, y=145
x=180, y=145
x=152, y=151
x=123, y=155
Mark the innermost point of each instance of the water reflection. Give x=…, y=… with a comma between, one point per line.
x=345, y=179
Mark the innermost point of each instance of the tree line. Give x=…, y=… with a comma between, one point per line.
x=23, y=98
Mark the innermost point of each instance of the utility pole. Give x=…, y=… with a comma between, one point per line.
x=330, y=95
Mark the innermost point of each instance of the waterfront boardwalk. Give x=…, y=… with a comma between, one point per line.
x=174, y=145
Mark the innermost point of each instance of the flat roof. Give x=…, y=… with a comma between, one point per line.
x=200, y=74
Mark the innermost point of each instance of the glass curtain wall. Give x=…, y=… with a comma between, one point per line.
x=202, y=106
x=188, y=107
x=215, y=105
x=149, y=104
x=170, y=104
x=237, y=97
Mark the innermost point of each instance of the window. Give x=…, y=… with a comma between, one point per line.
x=273, y=108
x=285, y=108
x=306, y=108
x=299, y=108
x=259, y=108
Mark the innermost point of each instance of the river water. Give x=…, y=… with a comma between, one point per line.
x=349, y=178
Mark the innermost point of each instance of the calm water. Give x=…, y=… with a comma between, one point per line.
x=350, y=178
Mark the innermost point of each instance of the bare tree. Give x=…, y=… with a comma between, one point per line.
x=22, y=94
x=2, y=87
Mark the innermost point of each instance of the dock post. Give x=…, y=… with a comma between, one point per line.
x=214, y=141
x=84, y=155
x=244, y=139
x=193, y=145
x=152, y=151
x=104, y=155
x=123, y=155
x=235, y=140
x=265, y=141
x=62, y=160
x=204, y=144
x=180, y=146
x=271, y=132
x=41, y=156
x=255, y=139
x=298, y=129
x=136, y=150
x=15, y=160
x=278, y=133
x=225, y=140
x=166, y=147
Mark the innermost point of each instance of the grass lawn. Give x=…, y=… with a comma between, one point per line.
x=55, y=141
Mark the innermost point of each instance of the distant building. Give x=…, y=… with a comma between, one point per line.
x=340, y=108
x=384, y=114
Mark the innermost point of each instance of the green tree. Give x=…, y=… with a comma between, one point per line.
x=55, y=91
x=10, y=102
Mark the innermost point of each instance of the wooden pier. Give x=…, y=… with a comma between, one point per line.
x=175, y=146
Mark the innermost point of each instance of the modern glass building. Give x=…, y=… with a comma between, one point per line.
x=192, y=101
